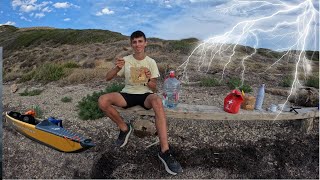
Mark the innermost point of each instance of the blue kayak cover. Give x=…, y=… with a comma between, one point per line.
x=52, y=128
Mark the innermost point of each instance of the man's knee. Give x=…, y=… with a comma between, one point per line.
x=156, y=101
x=103, y=101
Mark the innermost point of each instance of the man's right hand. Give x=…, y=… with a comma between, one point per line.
x=120, y=62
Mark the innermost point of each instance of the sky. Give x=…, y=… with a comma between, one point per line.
x=178, y=19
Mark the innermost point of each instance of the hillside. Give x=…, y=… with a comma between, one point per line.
x=27, y=49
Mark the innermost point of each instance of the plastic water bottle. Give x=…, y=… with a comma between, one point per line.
x=260, y=97
x=171, y=90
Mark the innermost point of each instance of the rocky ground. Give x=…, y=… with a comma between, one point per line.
x=206, y=149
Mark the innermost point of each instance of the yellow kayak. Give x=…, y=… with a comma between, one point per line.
x=48, y=133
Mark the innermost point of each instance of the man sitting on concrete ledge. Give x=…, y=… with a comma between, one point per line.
x=141, y=73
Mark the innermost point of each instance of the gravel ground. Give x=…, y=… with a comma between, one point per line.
x=206, y=149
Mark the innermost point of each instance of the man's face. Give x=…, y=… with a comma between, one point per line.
x=138, y=44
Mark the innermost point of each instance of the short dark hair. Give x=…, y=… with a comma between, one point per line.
x=138, y=34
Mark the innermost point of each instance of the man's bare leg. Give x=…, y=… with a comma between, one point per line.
x=155, y=102
x=106, y=103
x=171, y=165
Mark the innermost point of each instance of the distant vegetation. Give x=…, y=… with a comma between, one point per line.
x=13, y=39
x=34, y=92
x=312, y=55
x=184, y=46
x=26, y=77
x=269, y=53
x=44, y=54
x=48, y=72
x=209, y=82
x=66, y=99
x=287, y=81
x=70, y=64
x=313, y=81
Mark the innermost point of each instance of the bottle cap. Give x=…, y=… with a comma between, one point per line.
x=171, y=74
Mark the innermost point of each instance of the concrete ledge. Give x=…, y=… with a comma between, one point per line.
x=203, y=112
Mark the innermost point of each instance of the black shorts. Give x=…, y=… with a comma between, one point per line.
x=135, y=99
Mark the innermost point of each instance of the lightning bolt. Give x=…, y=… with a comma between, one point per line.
x=299, y=31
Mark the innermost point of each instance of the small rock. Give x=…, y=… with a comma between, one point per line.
x=143, y=128
x=306, y=96
x=14, y=88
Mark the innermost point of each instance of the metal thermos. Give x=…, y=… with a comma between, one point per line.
x=260, y=97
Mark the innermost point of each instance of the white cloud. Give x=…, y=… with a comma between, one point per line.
x=8, y=23
x=99, y=14
x=167, y=4
x=27, y=8
x=26, y=19
x=1, y=12
x=64, y=5
x=41, y=5
x=66, y=19
x=105, y=10
x=39, y=15
x=16, y=3
x=27, y=5
x=46, y=9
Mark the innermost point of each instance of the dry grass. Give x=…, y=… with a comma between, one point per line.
x=11, y=76
x=279, y=92
x=80, y=76
x=101, y=64
x=164, y=69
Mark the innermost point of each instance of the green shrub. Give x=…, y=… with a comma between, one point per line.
x=88, y=107
x=70, y=64
x=287, y=81
x=235, y=83
x=38, y=111
x=184, y=45
x=313, y=81
x=49, y=72
x=245, y=88
x=66, y=99
x=114, y=87
x=154, y=47
x=34, y=92
x=312, y=55
x=27, y=77
x=209, y=82
x=269, y=53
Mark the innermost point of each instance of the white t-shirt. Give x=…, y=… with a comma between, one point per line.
x=137, y=88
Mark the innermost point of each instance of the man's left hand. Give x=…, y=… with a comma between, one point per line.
x=148, y=73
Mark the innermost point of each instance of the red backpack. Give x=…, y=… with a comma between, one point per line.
x=233, y=101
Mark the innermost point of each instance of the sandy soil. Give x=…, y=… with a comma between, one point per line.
x=206, y=149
